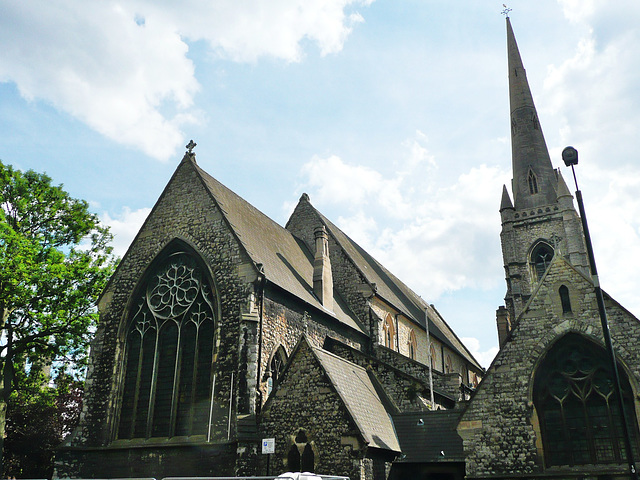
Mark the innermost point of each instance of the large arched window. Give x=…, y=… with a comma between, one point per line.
x=541, y=257
x=577, y=405
x=169, y=350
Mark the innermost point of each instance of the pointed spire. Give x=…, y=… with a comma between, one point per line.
x=505, y=203
x=565, y=197
x=534, y=180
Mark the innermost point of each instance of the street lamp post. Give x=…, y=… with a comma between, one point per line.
x=570, y=158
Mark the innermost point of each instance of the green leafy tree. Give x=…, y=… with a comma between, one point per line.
x=55, y=260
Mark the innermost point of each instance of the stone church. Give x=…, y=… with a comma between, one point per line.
x=221, y=328
x=547, y=406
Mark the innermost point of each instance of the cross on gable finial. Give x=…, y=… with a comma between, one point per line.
x=190, y=146
x=506, y=10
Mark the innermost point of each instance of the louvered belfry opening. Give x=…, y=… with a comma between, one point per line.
x=169, y=349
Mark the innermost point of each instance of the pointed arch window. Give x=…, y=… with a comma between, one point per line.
x=432, y=356
x=413, y=345
x=389, y=332
x=276, y=366
x=541, y=257
x=169, y=348
x=448, y=364
x=577, y=407
x=301, y=457
x=563, y=291
x=533, y=182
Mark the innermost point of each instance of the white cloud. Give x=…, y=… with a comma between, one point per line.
x=483, y=357
x=124, y=227
x=434, y=235
x=123, y=69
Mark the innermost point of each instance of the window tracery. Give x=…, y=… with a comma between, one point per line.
x=541, y=257
x=577, y=407
x=169, y=348
x=276, y=366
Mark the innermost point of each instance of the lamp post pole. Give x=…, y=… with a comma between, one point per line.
x=570, y=158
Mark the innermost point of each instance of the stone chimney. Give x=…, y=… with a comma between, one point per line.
x=503, y=321
x=322, y=277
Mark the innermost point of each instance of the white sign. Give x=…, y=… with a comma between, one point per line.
x=268, y=445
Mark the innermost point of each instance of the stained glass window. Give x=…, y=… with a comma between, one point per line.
x=169, y=351
x=577, y=406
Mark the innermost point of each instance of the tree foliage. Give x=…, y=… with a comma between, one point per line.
x=55, y=260
x=38, y=419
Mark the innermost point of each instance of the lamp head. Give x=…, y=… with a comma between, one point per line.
x=570, y=156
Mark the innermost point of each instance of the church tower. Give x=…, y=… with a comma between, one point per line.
x=541, y=222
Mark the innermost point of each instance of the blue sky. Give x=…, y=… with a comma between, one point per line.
x=392, y=115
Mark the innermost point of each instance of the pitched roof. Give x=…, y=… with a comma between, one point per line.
x=429, y=436
x=286, y=260
x=363, y=402
x=394, y=291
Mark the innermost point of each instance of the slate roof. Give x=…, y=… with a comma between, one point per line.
x=394, y=291
x=364, y=404
x=429, y=436
x=286, y=260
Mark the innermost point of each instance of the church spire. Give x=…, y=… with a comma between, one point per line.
x=534, y=180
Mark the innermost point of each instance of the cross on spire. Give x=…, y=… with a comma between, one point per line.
x=506, y=10
x=190, y=146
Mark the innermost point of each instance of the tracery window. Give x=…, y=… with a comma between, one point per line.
x=541, y=259
x=169, y=350
x=577, y=406
x=276, y=366
x=389, y=332
x=413, y=345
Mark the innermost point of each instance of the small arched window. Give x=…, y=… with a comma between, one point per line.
x=413, y=345
x=577, y=405
x=169, y=349
x=276, y=366
x=541, y=257
x=301, y=457
x=389, y=332
x=563, y=291
x=533, y=182
x=448, y=365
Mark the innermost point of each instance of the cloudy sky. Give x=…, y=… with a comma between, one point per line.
x=391, y=114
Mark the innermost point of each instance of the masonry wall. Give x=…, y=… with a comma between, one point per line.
x=499, y=428
x=558, y=225
x=185, y=211
x=285, y=320
x=306, y=401
x=347, y=280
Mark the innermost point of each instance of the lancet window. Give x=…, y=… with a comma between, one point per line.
x=413, y=345
x=533, y=182
x=389, y=332
x=577, y=405
x=169, y=349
